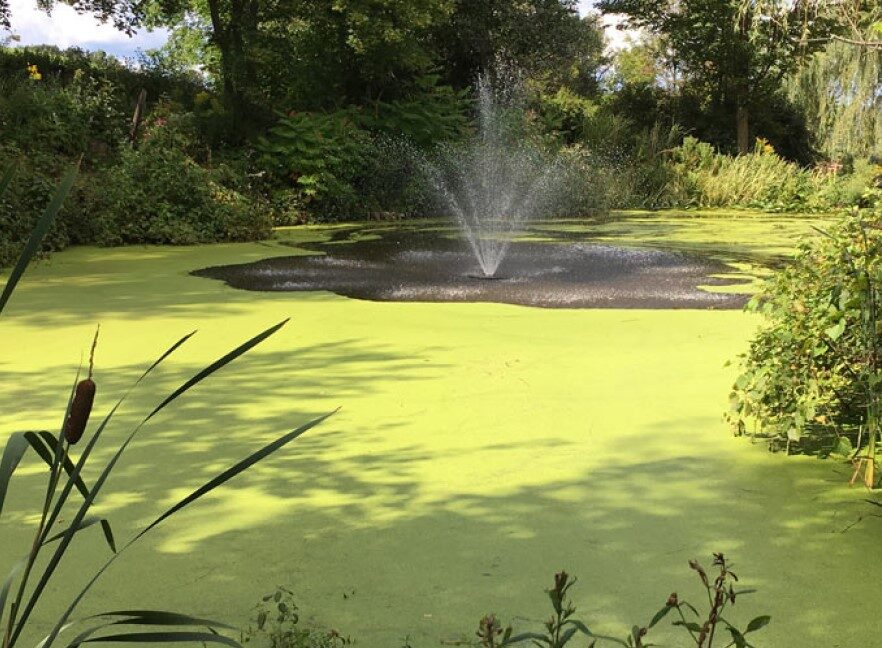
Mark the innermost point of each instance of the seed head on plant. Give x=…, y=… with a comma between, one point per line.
x=84, y=398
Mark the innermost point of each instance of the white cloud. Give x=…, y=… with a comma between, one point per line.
x=617, y=39
x=64, y=27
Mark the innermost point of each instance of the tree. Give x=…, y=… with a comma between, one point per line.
x=853, y=22
x=732, y=55
x=253, y=47
x=546, y=38
x=840, y=93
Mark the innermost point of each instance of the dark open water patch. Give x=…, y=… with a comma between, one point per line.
x=404, y=265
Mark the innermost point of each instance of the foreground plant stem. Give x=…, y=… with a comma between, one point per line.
x=54, y=476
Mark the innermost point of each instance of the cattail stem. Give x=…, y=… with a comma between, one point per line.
x=39, y=537
x=92, y=352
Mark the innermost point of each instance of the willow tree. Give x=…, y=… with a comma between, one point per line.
x=840, y=94
x=840, y=88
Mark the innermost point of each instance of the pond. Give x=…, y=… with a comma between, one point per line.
x=480, y=446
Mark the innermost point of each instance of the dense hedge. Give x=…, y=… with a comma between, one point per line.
x=63, y=108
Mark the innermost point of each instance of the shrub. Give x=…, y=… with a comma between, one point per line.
x=278, y=624
x=811, y=374
x=82, y=116
x=319, y=154
x=356, y=160
x=158, y=194
x=702, y=177
x=24, y=200
x=562, y=627
x=61, y=66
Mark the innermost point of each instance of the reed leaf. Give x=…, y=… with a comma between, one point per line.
x=214, y=366
x=164, y=637
x=217, y=481
x=16, y=446
x=74, y=477
x=158, y=617
x=142, y=617
x=84, y=524
x=51, y=566
x=38, y=233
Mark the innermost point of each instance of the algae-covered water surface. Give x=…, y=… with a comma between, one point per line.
x=480, y=447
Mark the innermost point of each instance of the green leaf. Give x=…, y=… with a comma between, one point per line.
x=758, y=623
x=691, y=625
x=218, y=364
x=661, y=614
x=835, y=332
x=566, y=636
x=16, y=446
x=737, y=638
x=36, y=440
x=159, y=617
x=75, y=475
x=38, y=233
x=217, y=481
x=528, y=636
x=85, y=523
x=164, y=637
x=7, y=584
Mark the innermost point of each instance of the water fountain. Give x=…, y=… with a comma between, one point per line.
x=494, y=185
x=496, y=181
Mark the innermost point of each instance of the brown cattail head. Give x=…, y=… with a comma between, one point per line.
x=80, y=409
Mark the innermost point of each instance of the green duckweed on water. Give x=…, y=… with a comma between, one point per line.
x=480, y=448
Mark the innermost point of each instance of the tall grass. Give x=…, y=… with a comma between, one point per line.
x=703, y=177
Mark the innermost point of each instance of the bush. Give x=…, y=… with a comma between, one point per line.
x=811, y=373
x=61, y=66
x=702, y=177
x=24, y=200
x=156, y=193
x=357, y=160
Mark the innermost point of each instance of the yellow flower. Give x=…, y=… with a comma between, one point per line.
x=34, y=72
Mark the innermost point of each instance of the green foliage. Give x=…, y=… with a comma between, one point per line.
x=156, y=193
x=166, y=190
x=840, y=93
x=319, y=153
x=434, y=113
x=702, y=177
x=278, y=624
x=35, y=238
x=810, y=373
x=83, y=116
x=60, y=67
x=562, y=628
x=28, y=193
x=353, y=161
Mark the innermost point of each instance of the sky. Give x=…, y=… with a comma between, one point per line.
x=65, y=28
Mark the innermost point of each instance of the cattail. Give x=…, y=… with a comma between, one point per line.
x=81, y=407
x=80, y=410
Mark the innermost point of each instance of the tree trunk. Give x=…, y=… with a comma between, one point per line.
x=742, y=123
x=224, y=36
